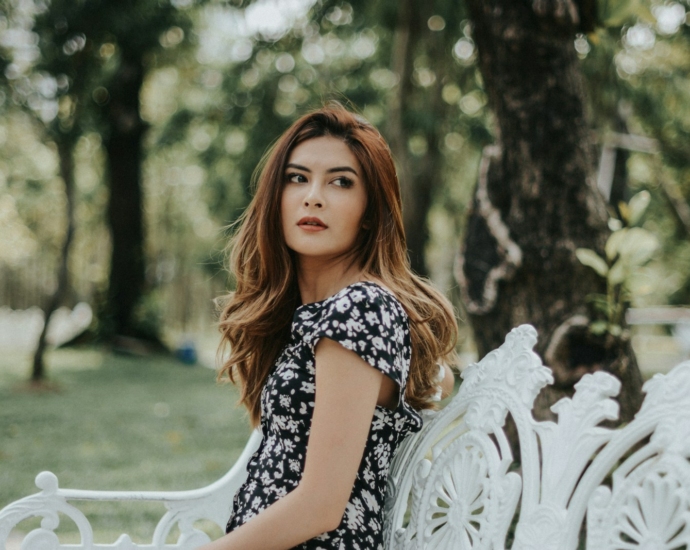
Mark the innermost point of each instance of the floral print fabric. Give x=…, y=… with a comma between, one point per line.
x=368, y=320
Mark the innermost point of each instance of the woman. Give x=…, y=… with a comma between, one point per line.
x=335, y=341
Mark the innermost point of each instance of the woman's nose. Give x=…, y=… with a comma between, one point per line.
x=313, y=197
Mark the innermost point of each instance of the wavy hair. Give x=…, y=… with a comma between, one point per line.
x=255, y=319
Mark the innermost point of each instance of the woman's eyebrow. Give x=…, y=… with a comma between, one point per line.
x=341, y=169
x=298, y=166
x=329, y=171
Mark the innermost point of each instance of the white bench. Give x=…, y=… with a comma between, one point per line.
x=454, y=485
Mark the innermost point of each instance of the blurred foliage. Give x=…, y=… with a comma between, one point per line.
x=61, y=55
x=338, y=52
x=639, y=82
x=628, y=248
x=248, y=69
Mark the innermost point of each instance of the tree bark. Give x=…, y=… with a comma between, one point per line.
x=65, y=146
x=418, y=175
x=123, y=144
x=536, y=200
x=401, y=64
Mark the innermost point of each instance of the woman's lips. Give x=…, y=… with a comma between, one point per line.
x=311, y=224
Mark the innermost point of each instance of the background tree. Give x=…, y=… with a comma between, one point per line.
x=95, y=54
x=536, y=201
x=116, y=39
x=89, y=75
x=36, y=93
x=422, y=60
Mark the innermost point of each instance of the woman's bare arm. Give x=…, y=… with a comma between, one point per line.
x=347, y=389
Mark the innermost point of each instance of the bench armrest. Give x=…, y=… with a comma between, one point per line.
x=213, y=502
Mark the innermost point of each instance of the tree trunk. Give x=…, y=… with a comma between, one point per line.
x=536, y=201
x=123, y=144
x=65, y=146
x=418, y=176
x=401, y=64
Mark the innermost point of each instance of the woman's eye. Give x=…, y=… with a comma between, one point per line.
x=295, y=178
x=342, y=181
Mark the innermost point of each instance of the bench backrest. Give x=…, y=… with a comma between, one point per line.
x=451, y=486
x=454, y=484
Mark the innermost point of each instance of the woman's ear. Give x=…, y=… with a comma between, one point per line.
x=366, y=225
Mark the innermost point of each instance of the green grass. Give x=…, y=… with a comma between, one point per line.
x=116, y=423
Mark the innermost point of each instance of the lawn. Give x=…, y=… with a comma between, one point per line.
x=115, y=422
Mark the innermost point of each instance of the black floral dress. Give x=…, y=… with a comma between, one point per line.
x=369, y=320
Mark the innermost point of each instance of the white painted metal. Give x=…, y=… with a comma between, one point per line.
x=456, y=476
x=184, y=509
x=452, y=485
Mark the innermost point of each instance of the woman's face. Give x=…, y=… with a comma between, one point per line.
x=323, y=199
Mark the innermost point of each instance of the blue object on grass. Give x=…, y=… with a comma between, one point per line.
x=186, y=352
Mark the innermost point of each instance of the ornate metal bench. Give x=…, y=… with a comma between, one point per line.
x=451, y=485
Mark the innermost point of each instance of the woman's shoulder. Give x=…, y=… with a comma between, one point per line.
x=367, y=318
x=365, y=301
x=367, y=296
x=355, y=292
x=367, y=304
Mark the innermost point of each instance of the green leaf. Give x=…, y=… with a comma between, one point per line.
x=638, y=246
x=638, y=204
x=600, y=303
x=602, y=307
x=615, y=224
x=614, y=242
x=598, y=327
x=617, y=273
x=597, y=298
x=592, y=259
x=613, y=13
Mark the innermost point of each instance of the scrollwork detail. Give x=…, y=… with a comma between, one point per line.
x=665, y=391
x=41, y=539
x=512, y=368
x=541, y=530
x=648, y=509
x=467, y=499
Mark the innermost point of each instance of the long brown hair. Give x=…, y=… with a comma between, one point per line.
x=255, y=319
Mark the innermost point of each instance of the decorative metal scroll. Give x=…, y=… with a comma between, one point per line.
x=451, y=486
x=184, y=509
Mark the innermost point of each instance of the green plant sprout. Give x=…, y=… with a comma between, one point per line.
x=627, y=249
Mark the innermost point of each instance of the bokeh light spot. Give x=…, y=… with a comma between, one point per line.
x=436, y=23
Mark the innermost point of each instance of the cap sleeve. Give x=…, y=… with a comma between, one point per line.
x=371, y=322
